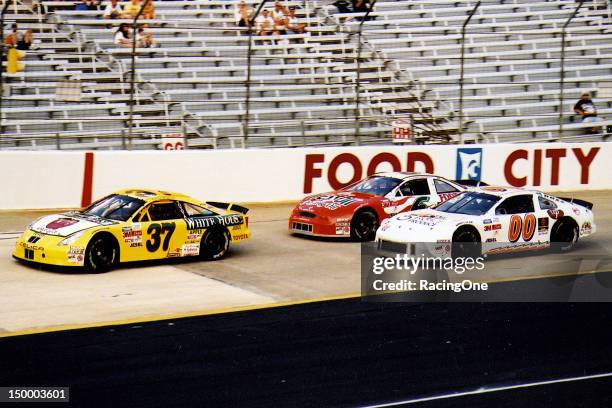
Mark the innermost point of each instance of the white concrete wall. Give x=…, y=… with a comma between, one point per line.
x=55, y=179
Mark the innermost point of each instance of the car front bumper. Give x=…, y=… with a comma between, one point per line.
x=45, y=249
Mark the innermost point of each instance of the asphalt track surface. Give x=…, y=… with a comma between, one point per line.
x=273, y=267
x=340, y=353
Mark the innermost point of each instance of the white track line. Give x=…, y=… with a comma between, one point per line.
x=490, y=390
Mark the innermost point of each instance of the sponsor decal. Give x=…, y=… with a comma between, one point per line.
x=494, y=189
x=330, y=201
x=576, y=210
x=388, y=203
x=343, y=227
x=586, y=228
x=555, y=214
x=543, y=225
x=487, y=221
x=196, y=235
x=92, y=218
x=491, y=240
x=197, y=223
x=132, y=235
x=423, y=219
x=469, y=164
x=492, y=227
x=76, y=255
x=31, y=247
x=240, y=237
x=60, y=223
x=446, y=196
x=174, y=254
x=190, y=250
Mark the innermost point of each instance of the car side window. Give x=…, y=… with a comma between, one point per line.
x=165, y=211
x=519, y=204
x=193, y=210
x=443, y=187
x=546, y=204
x=415, y=187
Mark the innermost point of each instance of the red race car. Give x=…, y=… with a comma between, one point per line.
x=357, y=210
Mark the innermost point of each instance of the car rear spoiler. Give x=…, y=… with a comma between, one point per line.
x=579, y=202
x=471, y=183
x=228, y=206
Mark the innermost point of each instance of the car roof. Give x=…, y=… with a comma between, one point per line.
x=149, y=195
x=401, y=174
x=502, y=191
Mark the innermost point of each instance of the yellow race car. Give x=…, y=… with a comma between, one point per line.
x=134, y=225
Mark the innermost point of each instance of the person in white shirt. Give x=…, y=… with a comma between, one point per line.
x=293, y=24
x=113, y=10
x=242, y=15
x=122, y=36
x=265, y=23
x=144, y=39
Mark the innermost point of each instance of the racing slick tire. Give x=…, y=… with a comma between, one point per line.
x=101, y=254
x=214, y=244
x=364, y=225
x=466, y=244
x=564, y=235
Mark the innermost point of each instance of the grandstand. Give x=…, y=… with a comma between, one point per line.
x=307, y=89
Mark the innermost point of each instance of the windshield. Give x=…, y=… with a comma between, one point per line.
x=469, y=204
x=114, y=207
x=376, y=185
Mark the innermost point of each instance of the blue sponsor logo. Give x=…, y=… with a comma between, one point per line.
x=469, y=164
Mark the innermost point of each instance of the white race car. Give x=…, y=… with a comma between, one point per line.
x=493, y=220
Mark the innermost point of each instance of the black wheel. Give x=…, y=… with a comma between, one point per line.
x=364, y=226
x=101, y=254
x=215, y=244
x=564, y=235
x=466, y=244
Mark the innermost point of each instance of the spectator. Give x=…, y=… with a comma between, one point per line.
x=265, y=23
x=279, y=12
x=26, y=41
x=149, y=11
x=144, y=39
x=292, y=23
x=343, y=6
x=243, y=14
x=131, y=9
x=14, y=37
x=279, y=15
x=361, y=6
x=113, y=10
x=88, y=5
x=122, y=36
x=586, y=109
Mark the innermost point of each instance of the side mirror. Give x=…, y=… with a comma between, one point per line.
x=501, y=211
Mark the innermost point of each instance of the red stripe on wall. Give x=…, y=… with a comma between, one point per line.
x=87, y=179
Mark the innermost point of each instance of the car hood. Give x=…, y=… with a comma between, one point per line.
x=422, y=226
x=335, y=203
x=66, y=224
